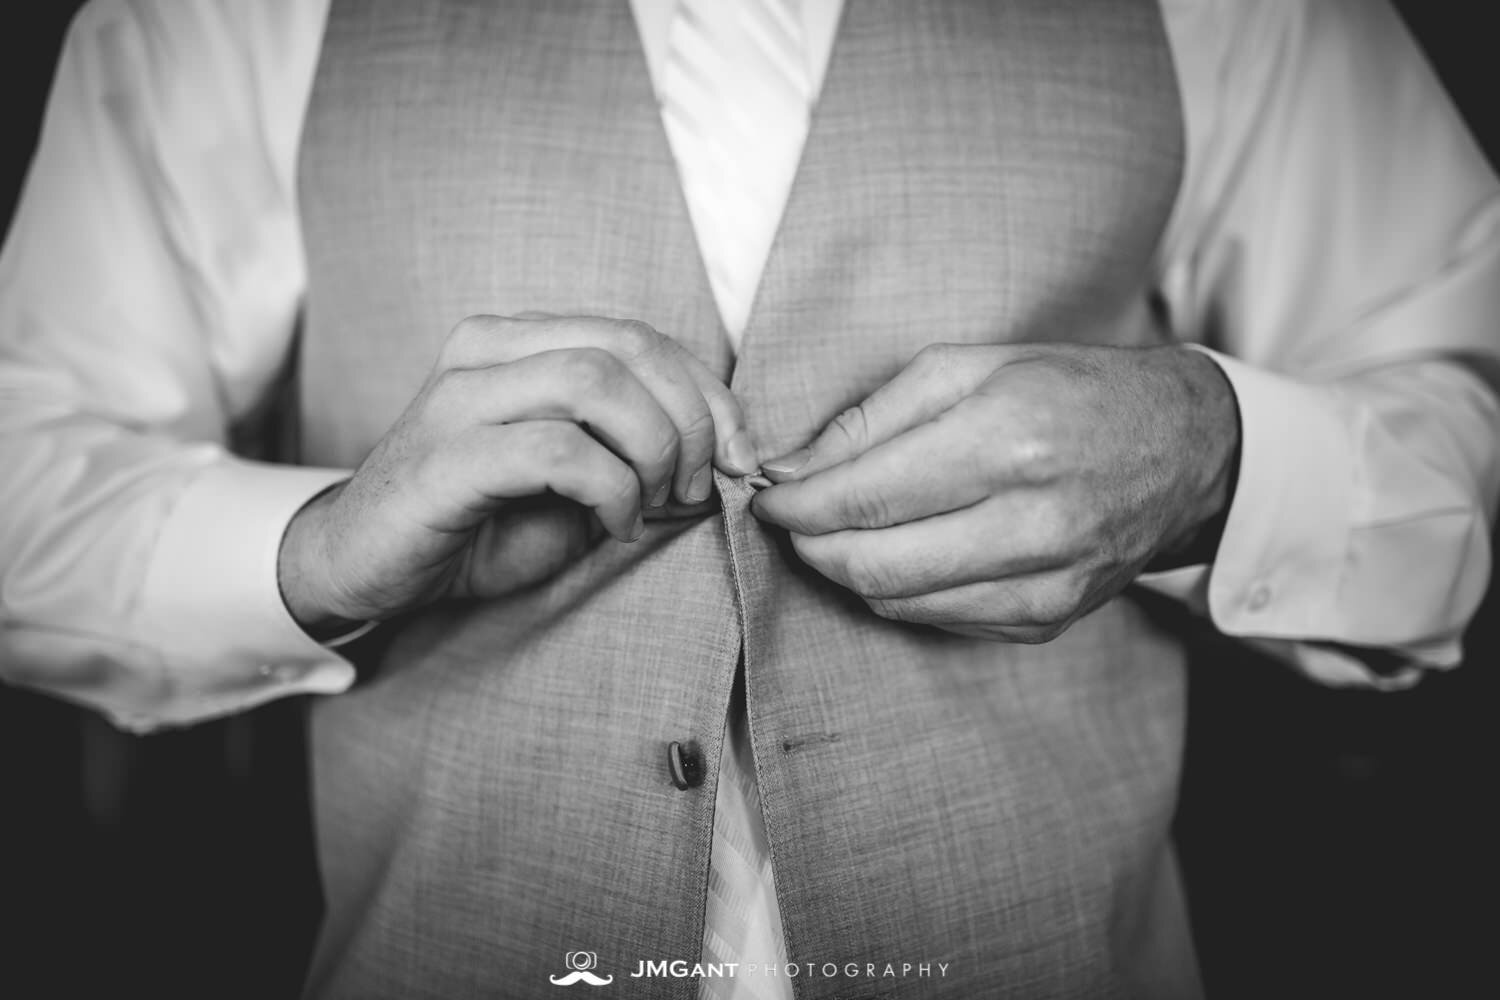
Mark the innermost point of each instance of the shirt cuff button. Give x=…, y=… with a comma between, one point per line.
x=281, y=673
x=1260, y=596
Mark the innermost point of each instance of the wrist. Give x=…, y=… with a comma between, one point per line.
x=1210, y=440
x=301, y=570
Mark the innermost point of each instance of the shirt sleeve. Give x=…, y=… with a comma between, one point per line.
x=1336, y=248
x=149, y=289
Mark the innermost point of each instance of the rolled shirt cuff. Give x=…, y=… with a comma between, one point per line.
x=212, y=606
x=1277, y=575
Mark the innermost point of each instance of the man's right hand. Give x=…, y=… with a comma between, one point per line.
x=608, y=414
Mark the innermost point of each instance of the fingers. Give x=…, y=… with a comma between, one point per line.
x=589, y=386
x=936, y=467
x=708, y=420
x=999, y=538
x=524, y=542
x=509, y=461
x=734, y=453
x=1011, y=569
x=660, y=369
x=1023, y=606
x=937, y=377
x=1029, y=610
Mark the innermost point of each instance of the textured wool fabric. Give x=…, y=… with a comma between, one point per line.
x=495, y=794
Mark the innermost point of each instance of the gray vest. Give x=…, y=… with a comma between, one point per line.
x=496, y=792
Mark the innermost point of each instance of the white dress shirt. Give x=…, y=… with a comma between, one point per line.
x=1336, y=236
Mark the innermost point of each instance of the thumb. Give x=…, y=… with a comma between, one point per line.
x=939, y=376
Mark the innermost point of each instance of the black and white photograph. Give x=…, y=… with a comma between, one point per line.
x=749, y=500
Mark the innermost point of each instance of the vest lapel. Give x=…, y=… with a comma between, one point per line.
x=532, y=174
x=960, y=186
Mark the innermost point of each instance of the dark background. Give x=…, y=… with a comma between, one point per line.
x=1335, y=843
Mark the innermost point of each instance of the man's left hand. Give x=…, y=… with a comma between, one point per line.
x=1005, y=491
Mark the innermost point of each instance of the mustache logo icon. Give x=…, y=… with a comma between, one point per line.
x=581, y=976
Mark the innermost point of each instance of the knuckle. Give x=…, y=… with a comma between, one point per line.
x=1035, y=456
x=591, y=371
x=1052, y=607
x=891, y=610
x=665, y=446
x=933, y=357
x=1057, y=602
x=662, y=450
x=1046, y=633
x=466, y=334
x=1041, y=605
x=864, y=507
x=471, y=326
x=1076, y=589
x=853, y=424
x=638, y=339
x=556, y=445
x=447, y=394
x=446, y=382
x=697, y=429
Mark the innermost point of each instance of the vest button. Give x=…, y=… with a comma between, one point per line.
x=685, y=764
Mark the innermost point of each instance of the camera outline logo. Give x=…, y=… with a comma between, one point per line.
x=581, y=966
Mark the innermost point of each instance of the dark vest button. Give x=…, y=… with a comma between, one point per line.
x=685, y=763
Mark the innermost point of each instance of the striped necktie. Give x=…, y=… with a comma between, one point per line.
x=742, y=922
x=736, y=102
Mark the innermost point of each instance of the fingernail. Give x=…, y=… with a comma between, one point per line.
x=638, y=529
x=698, y=486
x=741, y=452
x=787, y=465
x=661, y=494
